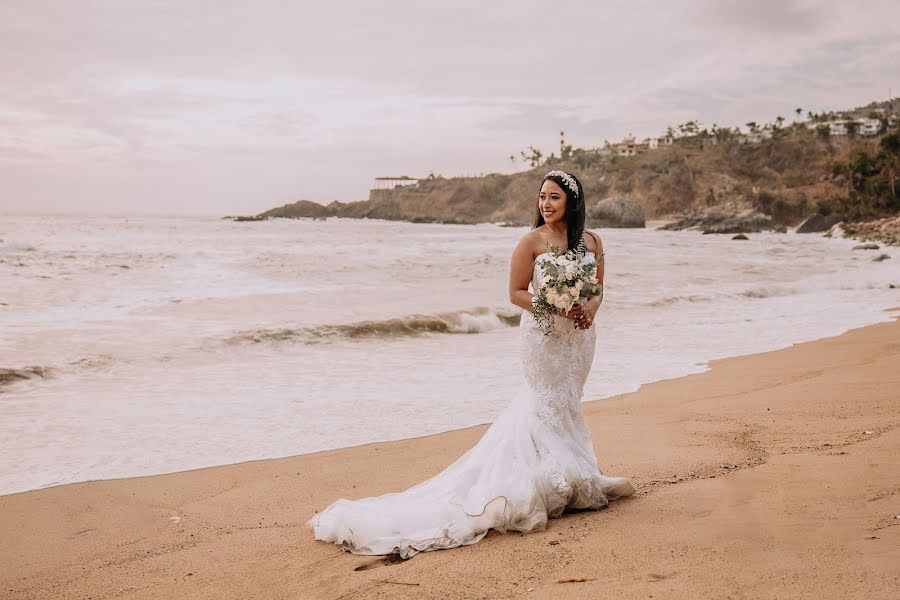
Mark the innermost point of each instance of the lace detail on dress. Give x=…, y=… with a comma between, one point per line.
x=586, y=477
x=549, y=415
x=557, y=477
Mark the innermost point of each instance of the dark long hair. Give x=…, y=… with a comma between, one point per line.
x=575, y=211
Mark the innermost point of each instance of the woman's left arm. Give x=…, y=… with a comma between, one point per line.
x=593, y=305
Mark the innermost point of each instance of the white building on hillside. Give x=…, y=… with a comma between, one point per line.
x=656, y=142
x=755, y=137
x=390, y=183
x=841, y=127
x=626, y=147
x=837, y=128
x=869, y=126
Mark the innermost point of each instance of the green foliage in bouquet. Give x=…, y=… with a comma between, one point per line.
x=565, y=281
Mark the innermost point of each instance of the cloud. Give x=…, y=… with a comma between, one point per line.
x=233, y=107
x=768, y=17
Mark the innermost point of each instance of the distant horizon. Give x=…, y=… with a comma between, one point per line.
x=163, y=108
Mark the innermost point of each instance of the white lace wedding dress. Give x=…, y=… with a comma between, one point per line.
x=535, y=460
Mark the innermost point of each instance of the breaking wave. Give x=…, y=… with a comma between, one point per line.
x=476, y=320
x=667, y=300
x=8, y=376
x=769, y=292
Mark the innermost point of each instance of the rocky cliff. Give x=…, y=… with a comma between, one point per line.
x=493, y=198
x=714, y=183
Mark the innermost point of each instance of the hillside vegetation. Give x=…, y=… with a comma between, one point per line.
x=796, y=172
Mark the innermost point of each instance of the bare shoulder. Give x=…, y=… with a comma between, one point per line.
x=592, y=242
x=530, y=244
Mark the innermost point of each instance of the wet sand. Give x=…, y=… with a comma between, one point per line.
x=772, y=475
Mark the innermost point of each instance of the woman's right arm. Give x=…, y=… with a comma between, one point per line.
x=521, y=270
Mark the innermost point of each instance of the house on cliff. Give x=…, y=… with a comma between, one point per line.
x=843, y=127
x=628, y=146
x=385, y=185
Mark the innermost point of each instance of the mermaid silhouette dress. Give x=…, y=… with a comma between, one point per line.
x=535, y=460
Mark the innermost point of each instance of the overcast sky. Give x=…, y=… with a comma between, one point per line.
x=228, y=107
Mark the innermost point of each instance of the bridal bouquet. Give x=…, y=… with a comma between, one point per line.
x=566, y=281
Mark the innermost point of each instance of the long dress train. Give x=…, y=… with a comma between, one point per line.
x=535, y=460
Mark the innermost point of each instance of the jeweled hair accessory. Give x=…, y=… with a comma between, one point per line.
x=567, y=179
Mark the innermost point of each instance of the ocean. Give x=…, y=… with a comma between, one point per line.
x=174, y=343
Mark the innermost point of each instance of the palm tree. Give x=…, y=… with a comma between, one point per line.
x=799, y=112
x=535, y=158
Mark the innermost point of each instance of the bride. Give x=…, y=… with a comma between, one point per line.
x=537, y=458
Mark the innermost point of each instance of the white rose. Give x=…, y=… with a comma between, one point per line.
x=552, y=296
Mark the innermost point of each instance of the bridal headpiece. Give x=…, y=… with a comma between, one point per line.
x=567, y=179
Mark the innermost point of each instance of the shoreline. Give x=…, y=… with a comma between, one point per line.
x=706, y=364
x=769, y=473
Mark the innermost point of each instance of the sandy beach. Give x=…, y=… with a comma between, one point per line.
x=769, y=476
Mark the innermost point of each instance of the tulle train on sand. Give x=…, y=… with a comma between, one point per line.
x=520, y=473
x=535, y=460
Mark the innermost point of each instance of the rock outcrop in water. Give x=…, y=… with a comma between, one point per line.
x=726, y=218
x=818, y=223
x=298, y=209
x=468, y=200
x=618, y=211
x=886, y=231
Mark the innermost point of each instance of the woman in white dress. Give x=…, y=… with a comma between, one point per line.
x=537, y=457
